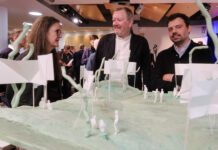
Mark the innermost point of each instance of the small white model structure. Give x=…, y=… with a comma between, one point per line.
x=145, y=92
x=116, y=130
x=178, y=94
x=95, y=93
x=174, y=91
x=101, y=126
x=45, y=105
x=93, y=122
x=155, y=95
x=49, y=105
x=161, y=95
x=42, y=103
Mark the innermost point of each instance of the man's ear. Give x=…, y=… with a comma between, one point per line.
x=189, y=29
x=131, y=22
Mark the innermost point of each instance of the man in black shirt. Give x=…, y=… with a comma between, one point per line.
x=179, y=29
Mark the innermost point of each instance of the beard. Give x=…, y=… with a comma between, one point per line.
x=117, y=30
x=176, y=38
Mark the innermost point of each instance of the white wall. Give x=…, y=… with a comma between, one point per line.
x=158, y=36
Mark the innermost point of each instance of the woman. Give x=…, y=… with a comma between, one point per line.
x=45, y=35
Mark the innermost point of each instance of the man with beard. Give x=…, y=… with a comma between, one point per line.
x=127, y=47
x=179, y=29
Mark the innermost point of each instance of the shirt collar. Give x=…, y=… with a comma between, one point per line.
x=183, y=49
x=124, y=39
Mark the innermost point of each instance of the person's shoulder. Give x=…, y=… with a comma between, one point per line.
x=108, y=36
x=138, y=37
x=165, y=52
x=5, y=51
x=138, y=40
x=88, y=49
x=194, y=44
x=76, y=53
x=92, y=55
x=81, y=51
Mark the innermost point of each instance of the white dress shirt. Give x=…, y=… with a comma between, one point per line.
x=122, y=48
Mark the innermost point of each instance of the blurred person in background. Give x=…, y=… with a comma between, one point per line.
x=77, y=62
x=89, y=50
x=4, y=53
x=91, y=60
x=67, y=60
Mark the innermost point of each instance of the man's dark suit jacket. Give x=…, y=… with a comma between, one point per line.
x=166, y=60
x=139, y=53
x=4, y=52
x=77, y=64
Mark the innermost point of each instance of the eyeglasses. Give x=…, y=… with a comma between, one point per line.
x=58, y=32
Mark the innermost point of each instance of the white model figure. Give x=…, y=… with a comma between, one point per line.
x=155, y=95
x=49, y=105
x=101, y=126
x=174, y=91
x=95, y=93
x=42, y=103
x=161, y=95
x=178, y=94
x=116, y=130
x=93, y=122
x=145, y=92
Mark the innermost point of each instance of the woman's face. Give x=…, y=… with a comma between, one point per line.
x=53, y=36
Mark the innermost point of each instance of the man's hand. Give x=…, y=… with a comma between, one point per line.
x=168, y=77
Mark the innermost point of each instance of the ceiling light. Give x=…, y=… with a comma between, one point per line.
x=80, y=21
x=75, y=20
x=61, y=23
x=64, y=10
x=34, y=13
x=155, y=7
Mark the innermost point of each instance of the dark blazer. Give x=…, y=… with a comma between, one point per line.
x=5, y=52
x=139, y=53
x=77, y=63
x=166, y=60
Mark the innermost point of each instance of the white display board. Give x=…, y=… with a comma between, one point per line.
x=32, y=71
